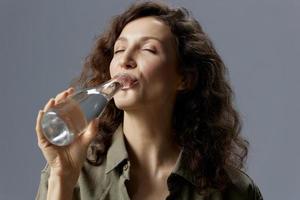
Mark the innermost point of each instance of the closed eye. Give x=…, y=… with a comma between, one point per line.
x=150, y=50
x=118, y=51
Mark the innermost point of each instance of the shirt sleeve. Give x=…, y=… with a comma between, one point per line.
x=43, y=186
x=255, y=192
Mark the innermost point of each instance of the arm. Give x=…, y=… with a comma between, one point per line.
x=63, y=163
x=59, y=188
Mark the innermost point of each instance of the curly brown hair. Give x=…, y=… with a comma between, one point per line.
x=206, y=123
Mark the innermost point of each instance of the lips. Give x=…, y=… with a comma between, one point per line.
x=127, y=80
x=130, y=85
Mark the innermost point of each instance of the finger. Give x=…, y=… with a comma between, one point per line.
x=49, y=104
x=90, y=133
x=63, y=95
x=71, y=90
x=42, y=140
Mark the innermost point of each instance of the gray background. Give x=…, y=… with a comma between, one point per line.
x=43, y=44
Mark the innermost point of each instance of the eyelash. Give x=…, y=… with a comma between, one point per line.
x=118, y=51
x=150, y=50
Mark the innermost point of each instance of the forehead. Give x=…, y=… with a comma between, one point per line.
x=147, y=27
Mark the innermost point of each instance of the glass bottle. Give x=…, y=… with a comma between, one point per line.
x=62, y=123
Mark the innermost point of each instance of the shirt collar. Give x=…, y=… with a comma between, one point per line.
x=181, y=170
x=117, y=153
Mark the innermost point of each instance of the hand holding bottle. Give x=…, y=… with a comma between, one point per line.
x=68, y=119
x=65, y=161
x=65, y=128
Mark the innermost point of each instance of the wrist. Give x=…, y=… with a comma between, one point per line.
x=66, y=178
x=60, y=187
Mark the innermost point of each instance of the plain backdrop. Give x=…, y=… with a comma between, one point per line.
x=43, y=44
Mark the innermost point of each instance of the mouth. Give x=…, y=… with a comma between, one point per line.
x=127, y=80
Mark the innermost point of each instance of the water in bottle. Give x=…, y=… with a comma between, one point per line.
x=70, y=118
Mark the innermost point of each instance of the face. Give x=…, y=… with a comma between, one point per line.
x=146, y=49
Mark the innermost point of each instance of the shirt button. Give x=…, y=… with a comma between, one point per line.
x=125, y=167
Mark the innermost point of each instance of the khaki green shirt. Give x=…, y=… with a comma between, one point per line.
x=107, y=181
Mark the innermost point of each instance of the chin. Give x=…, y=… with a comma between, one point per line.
x=125, y=100
x=124, y=104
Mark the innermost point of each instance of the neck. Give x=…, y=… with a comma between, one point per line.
x=150, y=138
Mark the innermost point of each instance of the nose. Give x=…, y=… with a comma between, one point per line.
x=127, y=60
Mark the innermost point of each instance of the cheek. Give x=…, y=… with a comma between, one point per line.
x=163, y=71
x=112, y=68
x=150, y=71
x=161, y=78
x=155, y=68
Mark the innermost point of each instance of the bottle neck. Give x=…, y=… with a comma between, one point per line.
x=109, y=88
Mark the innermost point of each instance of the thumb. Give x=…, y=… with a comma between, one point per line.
x=91, y=132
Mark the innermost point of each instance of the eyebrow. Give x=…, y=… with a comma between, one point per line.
x=143, y=39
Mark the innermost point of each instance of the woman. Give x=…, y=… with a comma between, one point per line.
x=173, y=135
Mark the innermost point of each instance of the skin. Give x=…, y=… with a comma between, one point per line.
x=146, y=49
x=65, y=162
x=150, y=142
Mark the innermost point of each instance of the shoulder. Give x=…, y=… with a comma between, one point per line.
x=242, y=185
